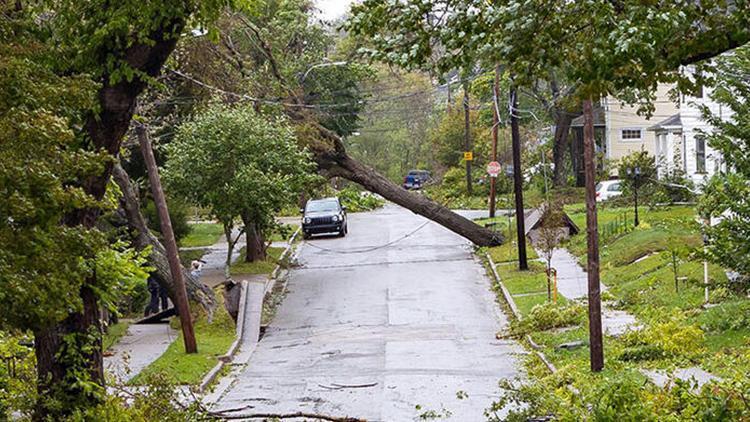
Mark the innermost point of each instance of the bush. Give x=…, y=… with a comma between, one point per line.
x=358, y=201
x=178, y=214
x=549, y=315
x=720, y=294
x=670, y=337
x=727, y=316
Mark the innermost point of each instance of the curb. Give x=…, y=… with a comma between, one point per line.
x=227, y=358
x=506, y=293
x=517, y=314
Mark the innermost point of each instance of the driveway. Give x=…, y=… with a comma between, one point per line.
x=382, y=333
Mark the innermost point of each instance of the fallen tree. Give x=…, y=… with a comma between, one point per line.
x=333, y=160
x=142, y=238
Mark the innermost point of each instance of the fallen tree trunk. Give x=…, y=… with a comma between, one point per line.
x=197, y=292
x=336, y=162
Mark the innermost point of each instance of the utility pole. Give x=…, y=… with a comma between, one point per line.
x=592, y=231
x=495, y=128
x=518, y=182
x=180, y=294
x=467, y=137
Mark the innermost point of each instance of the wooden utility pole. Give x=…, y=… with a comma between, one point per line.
x=592, y=231
x=467, y=135
x=180, y=294
x=518, y=182
x=495, y=128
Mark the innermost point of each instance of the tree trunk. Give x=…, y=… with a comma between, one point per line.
x=69, y=356
x=143, y=238
x=563, y=120
x=351, y=169
x=255, y=246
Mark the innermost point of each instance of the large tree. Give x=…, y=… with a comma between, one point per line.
x=121, y=46
x=726, y=193
x=275, y=53
x=238, y=164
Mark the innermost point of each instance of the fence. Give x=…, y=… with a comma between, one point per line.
x=620, y=225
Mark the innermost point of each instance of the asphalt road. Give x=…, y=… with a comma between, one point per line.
x=384, y=334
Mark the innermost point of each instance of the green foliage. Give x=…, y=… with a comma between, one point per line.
x=17, y=375
x=237, y=164
x=551, y=315
x=726, y=194
x=178, y=216
x=44, y=264
x=357, y=201
x=643, y=181
x=671, y=337
x=733, y=315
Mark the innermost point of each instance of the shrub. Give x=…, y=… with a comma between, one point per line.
x=357, y=201
x=550, y=315
x=178, y=215
x=727, y=316
x=720, y=294
x=670, y=337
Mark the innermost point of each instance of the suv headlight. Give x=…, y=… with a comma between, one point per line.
x=335, y=218
x=306, y=220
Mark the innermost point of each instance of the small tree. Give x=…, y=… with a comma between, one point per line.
x=241, y=165
x=551, y=232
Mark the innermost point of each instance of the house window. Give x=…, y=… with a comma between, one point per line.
x=700, y=155
x=630, y=134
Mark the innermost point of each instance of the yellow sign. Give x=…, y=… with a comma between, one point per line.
x=468, y=156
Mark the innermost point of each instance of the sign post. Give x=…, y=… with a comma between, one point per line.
x=493, y=169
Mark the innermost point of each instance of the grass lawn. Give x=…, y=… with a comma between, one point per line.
x=284, y=233
x=114, y=334
x=258, y=267
x=202, y=234
x=528, y=288
x=213, y=341
x=188, y=256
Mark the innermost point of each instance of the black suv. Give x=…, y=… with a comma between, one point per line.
x=323, y=216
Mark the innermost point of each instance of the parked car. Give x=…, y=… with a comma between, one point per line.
x=416, y=178
x=325, y=215
x=608, y=189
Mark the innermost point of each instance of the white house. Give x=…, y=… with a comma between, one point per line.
x=677, y=145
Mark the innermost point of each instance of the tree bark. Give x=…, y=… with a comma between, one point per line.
x=79, y=336
x=255, y=246
x=142, y=238
x=563, y=120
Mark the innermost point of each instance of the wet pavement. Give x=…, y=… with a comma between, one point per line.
x=141, y=345
x=382, y=333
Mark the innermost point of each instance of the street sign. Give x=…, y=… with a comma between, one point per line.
x=493, y=169
x=468, y=156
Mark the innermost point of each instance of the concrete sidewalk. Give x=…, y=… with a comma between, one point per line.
x=572, y=283
x=141, y=345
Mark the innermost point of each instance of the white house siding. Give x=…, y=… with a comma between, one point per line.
x=692, y=123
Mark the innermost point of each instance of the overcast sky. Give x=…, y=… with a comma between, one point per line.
x=332, y=9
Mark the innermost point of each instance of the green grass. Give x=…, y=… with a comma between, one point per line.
x=213, y=341
x=258, y=267
x=188, y=256
x=285, y=233
x=202, y=234
x=528, y=288
x=114, y=333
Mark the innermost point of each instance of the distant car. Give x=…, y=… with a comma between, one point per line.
x=608, y=189
x=415, y=179
x=325, y=215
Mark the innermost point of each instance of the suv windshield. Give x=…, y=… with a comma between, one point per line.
x=320, y=206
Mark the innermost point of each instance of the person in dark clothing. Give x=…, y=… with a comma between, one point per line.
x=158, y=294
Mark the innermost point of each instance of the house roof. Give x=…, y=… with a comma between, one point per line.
x=598, y=118
x=673, y=122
